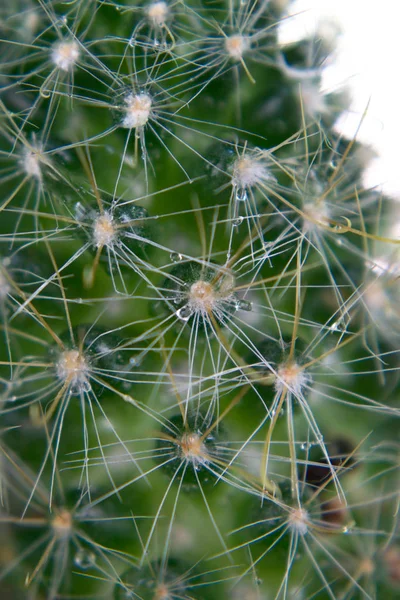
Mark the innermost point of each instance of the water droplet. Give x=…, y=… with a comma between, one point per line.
x=244, y=305
x=86, y=386
x=346, y=529
x=342, y=227
x=84, y=559
x=176, y=257
x=241, y=195
x=184, y=313
x=135, y=361
x=258, y=580
x=63, y=21
x=334, y=326
x=12, y=398
x=305, y=446
x=237, y=222
x=349, y=527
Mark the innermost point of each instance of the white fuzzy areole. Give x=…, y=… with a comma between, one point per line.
x=31, y=23
x=158, y=13
x=236, y=45
x=313, y=100
x=299, y=520
x=249, y=171
x=375, y=296
x=137, y=110
x=202, y=296
x=73, y=369
x=291, y=376
x=65, y=55
x=315, y=214
x=30, y=162
x=62, y=524
x=162, y=592
x=104, y=231
x=193, y=449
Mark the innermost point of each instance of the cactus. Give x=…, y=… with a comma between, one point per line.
x=199, y=305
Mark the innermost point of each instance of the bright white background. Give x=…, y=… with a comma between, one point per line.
x=367, y=63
